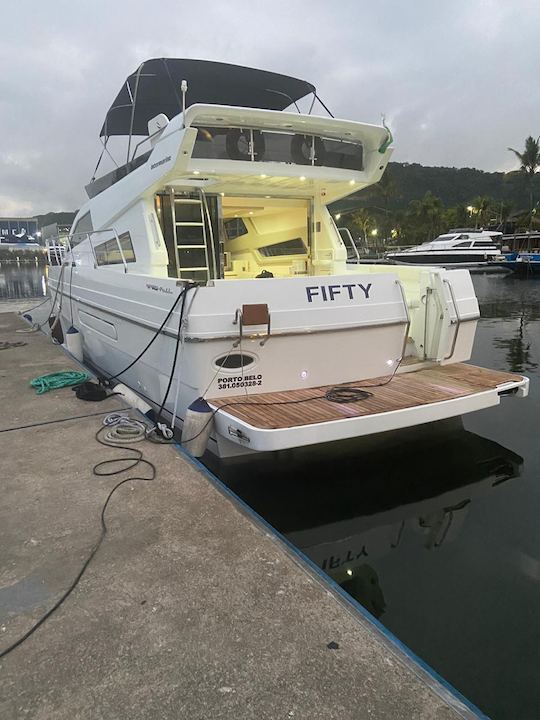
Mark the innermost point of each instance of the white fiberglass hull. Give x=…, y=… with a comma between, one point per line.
x=314, y=342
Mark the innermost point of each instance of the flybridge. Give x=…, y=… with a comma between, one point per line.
x=237, y=114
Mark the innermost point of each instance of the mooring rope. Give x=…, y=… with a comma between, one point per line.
x=57, y=380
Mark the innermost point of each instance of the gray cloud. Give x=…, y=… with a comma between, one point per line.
x=457, y=80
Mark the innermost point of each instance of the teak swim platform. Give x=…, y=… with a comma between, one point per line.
x=416, y=394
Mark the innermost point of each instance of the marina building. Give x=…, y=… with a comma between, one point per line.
x=14, y=229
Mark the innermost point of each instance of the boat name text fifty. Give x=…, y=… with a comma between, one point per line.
x=329, y=292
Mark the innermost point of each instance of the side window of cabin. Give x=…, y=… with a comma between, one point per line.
x=83, y=226
x=288, y=247
x=108, y=252
x=463, y=244
x=234, y=227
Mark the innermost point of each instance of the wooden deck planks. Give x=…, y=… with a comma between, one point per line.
x=305, y=407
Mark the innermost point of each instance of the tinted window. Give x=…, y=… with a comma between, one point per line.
x=276, y=146
x=83, y=226
x=234, y=228
x=289, y=247
x=108, y=253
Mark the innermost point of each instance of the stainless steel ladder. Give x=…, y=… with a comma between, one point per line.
x=181, y=208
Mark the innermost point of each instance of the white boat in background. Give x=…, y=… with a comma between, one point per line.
x=209, y=266
x=457, y=248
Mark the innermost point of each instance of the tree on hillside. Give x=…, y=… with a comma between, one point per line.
x=363, y=221
x=483, y=209
x=456, y=217
x=428, y=215
x=530, y=164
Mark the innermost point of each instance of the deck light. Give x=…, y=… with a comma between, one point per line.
x=304, y=374
x=302, y=178
x=389, y=362
x=337, y=216
x=352, y=182
x=196, y=172
x=263, y=176
x=349, y=572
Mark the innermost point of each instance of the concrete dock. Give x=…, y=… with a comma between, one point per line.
x=191, y=608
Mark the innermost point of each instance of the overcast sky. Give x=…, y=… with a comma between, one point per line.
x=457, y=79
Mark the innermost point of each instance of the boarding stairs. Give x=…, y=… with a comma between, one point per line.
x=194, y=240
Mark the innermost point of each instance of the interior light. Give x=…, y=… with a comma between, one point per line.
x=267, y=197
x=251, y=212
x=352, y=182
x=196, y=172
x=349, y=572
x=337, y=216
x=263, y=176
x=222, y=194
x=302, y=177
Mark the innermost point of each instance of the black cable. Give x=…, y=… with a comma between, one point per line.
x=60, y=420
x=176, y=349
x=98, y=470
x=70, y=292
x=108, y=378
x=339, y=391
x=346, y=395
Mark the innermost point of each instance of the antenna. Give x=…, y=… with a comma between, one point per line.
x=183, y=88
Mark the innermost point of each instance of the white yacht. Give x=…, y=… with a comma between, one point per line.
x=465, y=248
x=208, y=265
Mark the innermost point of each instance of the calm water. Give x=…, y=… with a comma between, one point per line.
x=435, y=530
x=22, y=281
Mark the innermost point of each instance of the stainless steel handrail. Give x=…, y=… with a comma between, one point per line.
x=407, y=315
x=204, y=206
x=457, y=322
x=87, y=235
x=351, y=240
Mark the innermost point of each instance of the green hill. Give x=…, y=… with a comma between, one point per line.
x=62, y=218
x=405, y=182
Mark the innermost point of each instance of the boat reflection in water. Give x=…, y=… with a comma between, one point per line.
x=348, y=506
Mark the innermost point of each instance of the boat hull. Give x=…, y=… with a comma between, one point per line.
x=314, y=342
x=442, y=259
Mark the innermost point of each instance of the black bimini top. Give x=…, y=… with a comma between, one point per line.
x=155, y=88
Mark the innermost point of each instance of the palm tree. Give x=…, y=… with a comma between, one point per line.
x=363, y=221
x=428, y=213
x=484, y=208
x=530, y=164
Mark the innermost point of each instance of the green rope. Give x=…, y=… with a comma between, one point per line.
x=389, y=139
x=57, y=380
